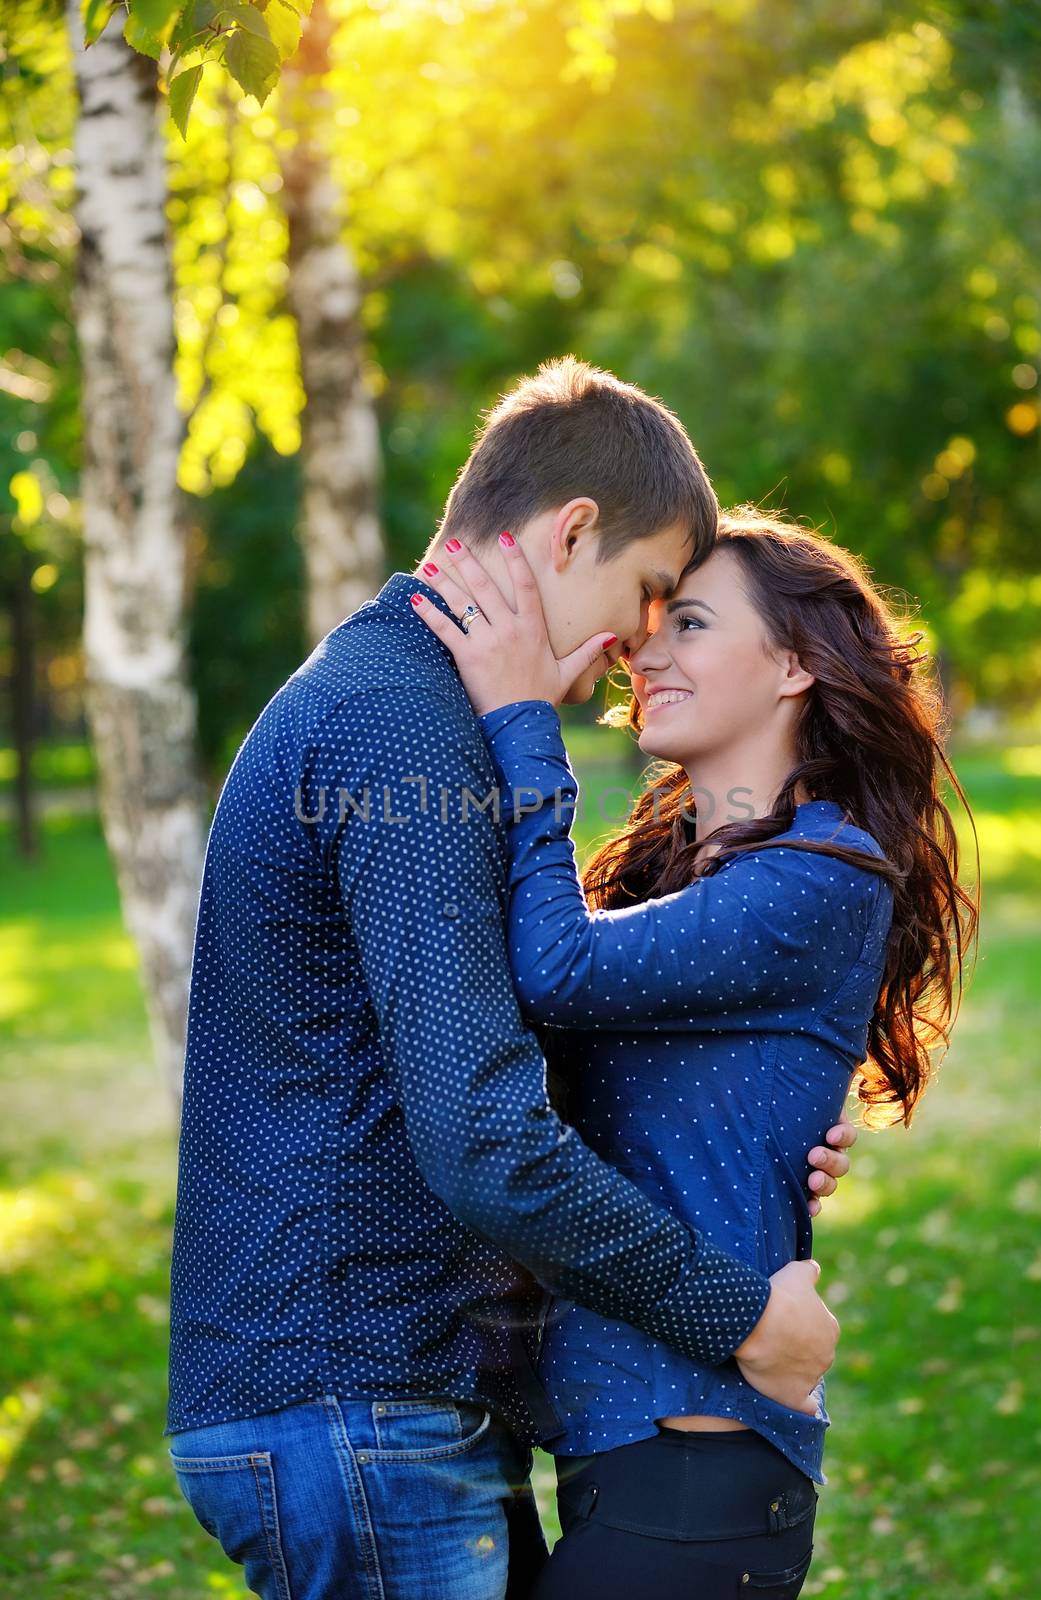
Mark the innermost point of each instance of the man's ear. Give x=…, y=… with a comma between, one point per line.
x=796, y=679
x=578, y=519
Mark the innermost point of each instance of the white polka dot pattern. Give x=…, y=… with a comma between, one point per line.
x=372, y=1185
x=708, y=1038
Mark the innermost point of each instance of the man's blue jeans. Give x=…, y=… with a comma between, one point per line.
x=388, y=1499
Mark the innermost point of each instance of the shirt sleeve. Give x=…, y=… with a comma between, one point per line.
x=407, y=826
x=771, y=931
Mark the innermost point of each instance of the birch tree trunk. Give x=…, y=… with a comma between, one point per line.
x=140, y=705
x=344, y=559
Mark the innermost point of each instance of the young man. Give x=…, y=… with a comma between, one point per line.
x=373, y=1189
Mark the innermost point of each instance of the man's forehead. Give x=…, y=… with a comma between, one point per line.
x=663, y=582
x=669, y=561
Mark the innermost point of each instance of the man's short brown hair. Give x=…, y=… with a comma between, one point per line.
x=573, y=430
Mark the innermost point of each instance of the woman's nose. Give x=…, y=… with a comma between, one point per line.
x=646, y=654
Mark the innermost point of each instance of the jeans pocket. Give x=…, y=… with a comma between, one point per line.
x=431, y=1429
x=781, y=1584
x=233, y=1497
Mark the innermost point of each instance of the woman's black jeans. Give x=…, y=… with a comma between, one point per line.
x=684, y=1514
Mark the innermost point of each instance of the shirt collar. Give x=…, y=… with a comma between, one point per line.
x=822, y=808
x=395, y=598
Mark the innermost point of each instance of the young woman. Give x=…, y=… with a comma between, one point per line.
x=781, y=914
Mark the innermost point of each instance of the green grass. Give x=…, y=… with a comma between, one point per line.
x=931, y=1256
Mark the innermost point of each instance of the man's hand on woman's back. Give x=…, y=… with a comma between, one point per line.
x=793, y=1344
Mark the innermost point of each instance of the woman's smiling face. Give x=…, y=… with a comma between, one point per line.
x=707, y=677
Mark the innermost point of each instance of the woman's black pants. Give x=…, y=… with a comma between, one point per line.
x=702, y=1516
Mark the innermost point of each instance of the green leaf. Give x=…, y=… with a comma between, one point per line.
x=140, y=38
x=196, y=18
x=203, y=49
x=285, y=27
x=155, y=15
x=253, y=63
x=95, y=15
x=246, y=16
x=182, y=93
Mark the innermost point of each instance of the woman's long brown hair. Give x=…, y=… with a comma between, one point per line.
x=871, y=738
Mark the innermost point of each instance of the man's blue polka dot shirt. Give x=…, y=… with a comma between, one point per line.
x=374, y=1194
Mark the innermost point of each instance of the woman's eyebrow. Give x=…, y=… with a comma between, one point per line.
x=674, y=605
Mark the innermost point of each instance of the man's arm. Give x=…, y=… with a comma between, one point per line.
x=425, y=899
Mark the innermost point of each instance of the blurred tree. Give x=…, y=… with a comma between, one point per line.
x=247, y=628
x=340, y=444
x=141, y=707
x=38, y=375
x=805, y=227
x=834, y=279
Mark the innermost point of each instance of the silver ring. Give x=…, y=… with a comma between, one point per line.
x=468, y=616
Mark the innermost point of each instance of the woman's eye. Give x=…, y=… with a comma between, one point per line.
x=695, y=622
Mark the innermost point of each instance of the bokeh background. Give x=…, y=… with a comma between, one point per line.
x=813, y=231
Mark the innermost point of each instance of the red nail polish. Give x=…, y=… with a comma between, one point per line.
x=452, y=546
x=507, y=538
x=609, y=642
x=417, y=599
x=428, y=567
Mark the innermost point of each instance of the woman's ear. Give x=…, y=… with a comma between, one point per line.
x=796, y=679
